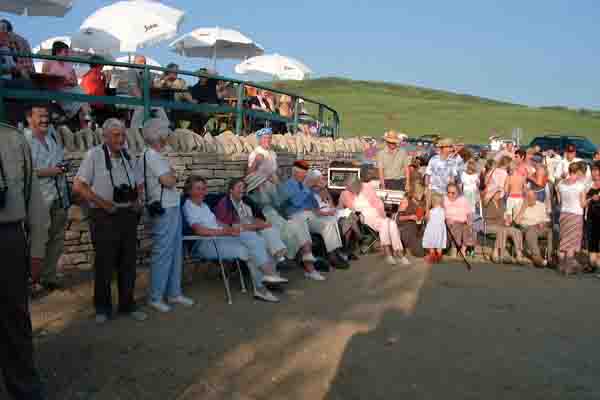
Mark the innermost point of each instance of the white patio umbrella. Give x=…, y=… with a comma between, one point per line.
x=127, y=26
x=280, y=67
x=216, y=43
x=34, y=8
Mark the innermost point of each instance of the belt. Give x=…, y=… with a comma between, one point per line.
x=515, y=196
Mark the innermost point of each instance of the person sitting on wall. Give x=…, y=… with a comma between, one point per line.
x=301, y=205
x=263, y=160
x=231, y=240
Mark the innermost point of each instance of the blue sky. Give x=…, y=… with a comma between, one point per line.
x=531, y=52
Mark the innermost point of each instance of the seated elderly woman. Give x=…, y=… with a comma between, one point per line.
x=300, y=204
x=69, y=83
x=501, y=225
x=409, y=219
x=347, y=220
x=246, y=246
x=372, y=210
x=534, y=218
x=294, y=233
x=233, y=211
x=459, y=217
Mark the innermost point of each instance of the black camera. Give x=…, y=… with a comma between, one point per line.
x=3, y=195
x=155, y=209
x=65, y=166
x=124, y=194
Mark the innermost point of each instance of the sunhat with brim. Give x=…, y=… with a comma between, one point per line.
x=253, y=181
x=391, y=137
x=446, y=142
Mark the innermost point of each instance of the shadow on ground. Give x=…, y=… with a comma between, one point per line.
x=373, y=332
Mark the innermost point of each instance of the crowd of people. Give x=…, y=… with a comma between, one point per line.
x=19, y=72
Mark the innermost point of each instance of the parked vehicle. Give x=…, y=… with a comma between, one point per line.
x=585, y=148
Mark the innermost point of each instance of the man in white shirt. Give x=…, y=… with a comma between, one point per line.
x=48, y=163
x=570, y=157
x=534, y=218
x=162, y=203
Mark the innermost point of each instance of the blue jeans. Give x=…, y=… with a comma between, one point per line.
x=244, y=248
x=165, y=266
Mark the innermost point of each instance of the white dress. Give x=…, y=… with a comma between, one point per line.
x=471, y=188
x=435, y=231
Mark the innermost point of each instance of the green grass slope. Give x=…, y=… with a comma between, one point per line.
x=369, y=108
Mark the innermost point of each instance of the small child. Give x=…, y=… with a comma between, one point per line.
x=470, y=184
x=434, y=238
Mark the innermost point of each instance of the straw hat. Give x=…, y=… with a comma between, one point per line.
x=391, y=137
x=253, y=181
x=445, y=142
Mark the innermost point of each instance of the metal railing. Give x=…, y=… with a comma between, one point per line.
x=327, y=118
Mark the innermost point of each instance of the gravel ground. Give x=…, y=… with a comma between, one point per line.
x=372, y=332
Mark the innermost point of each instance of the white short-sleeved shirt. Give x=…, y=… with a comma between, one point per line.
x=440, y=171
x=93, y=171
x=157, y=166
x=470, y=182
x=200, y=215
x=570, y=200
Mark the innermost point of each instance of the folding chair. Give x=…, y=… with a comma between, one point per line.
x=369, y=235
x=188, y=241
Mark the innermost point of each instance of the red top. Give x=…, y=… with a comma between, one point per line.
x=94, y=84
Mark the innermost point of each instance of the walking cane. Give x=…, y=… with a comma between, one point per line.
x=458, y=248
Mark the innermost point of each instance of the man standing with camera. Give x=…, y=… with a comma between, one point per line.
x=162, y=203
x=108, y=179
x=48, y=164
x=23, y=229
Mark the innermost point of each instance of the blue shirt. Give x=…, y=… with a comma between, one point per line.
x=298, y=197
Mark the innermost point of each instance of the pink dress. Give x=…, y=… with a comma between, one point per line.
x=372, y=210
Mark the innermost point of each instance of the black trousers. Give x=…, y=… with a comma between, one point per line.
x=16, y=338
x=395, y=184
x=115, y=243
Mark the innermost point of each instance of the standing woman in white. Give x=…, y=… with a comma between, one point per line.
x=163, y=204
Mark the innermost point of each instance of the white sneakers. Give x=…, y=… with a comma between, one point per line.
x=159, y=306
x=390, y=260
x=274, y=279
x=181, y=300
x=404, y=260
x=265, y=295
x=314, y=275
x=163, y=307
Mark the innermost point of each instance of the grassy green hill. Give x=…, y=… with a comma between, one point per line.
x=369, y=108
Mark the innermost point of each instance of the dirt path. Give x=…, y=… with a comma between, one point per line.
x=373, y=332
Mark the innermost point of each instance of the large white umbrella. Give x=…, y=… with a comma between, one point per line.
x=48, y=8
x=216, y=43
x=127, y=26
x=280, y=67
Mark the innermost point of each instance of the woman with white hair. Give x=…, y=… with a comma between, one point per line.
x=162, y=204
